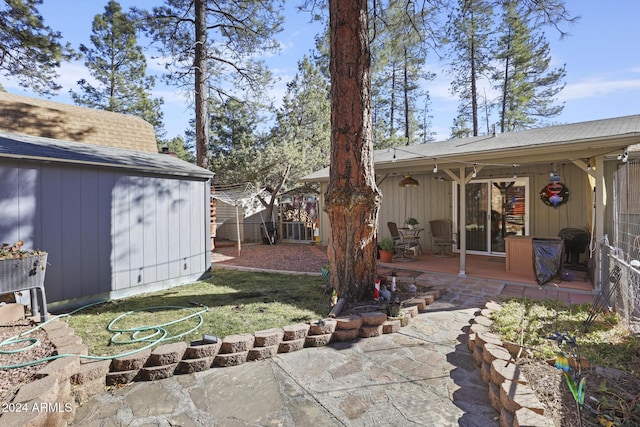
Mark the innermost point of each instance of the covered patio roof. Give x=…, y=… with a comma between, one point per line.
x=577, y=142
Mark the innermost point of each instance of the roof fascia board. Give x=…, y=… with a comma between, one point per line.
x=156, y=171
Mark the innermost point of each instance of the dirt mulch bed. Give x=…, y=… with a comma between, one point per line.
x=12, y=379
x=284, y=257
x=611, y=392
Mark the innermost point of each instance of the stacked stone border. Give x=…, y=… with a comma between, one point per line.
x=67, y=382
x=509, y=391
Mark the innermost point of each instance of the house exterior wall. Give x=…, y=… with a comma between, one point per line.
x=433, y=199
x=109, y=233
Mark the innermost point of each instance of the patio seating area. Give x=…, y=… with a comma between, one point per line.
x=486, y=267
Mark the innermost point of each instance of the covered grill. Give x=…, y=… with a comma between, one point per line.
x=575, y=243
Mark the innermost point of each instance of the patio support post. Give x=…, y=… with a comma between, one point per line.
x=462, y=235
x=601, y=203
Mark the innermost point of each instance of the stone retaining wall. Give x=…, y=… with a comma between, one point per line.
x=67, y=382
x=509, y=391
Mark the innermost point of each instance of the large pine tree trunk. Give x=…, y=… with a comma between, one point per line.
x=352, y=199
x=200, y=65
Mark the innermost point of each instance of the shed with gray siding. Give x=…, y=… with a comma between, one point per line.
x=114, y=221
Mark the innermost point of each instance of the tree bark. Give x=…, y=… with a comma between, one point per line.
x=200, y=65
x=352, y=198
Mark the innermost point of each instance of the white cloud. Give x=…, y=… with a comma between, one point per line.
x=596, y=87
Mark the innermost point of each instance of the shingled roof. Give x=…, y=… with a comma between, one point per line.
x=35, y=148
x=40, y=117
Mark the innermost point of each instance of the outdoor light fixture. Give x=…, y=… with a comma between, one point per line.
x=623, y=157
x=435, y=165
x=515, y=174
x=408, y=181
x=475, y=172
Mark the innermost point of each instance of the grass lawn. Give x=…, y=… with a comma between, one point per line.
x=238, y=302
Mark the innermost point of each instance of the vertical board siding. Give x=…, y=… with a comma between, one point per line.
x=174, y=230
x=71, y=234
x=184, y=225
x=135, y=250
x=106, y=230
x=9, y=202
x=120, y=238
x=89, y=232
x=149, y=219
x=52, y=232
x=163, y=198
x=30, y=186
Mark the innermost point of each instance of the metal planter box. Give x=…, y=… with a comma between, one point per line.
x=25, y=273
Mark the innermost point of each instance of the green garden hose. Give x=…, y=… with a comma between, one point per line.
x=155, y=334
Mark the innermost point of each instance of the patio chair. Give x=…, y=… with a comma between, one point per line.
x=402, y=246
x=442, y=237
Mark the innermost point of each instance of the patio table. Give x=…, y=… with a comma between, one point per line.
x=412, y=236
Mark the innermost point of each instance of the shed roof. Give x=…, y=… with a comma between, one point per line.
x=27, y=147
x=541, y=145
x=41, y=117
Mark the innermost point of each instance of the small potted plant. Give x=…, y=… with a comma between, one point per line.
x=411, y=223
x=387, y=248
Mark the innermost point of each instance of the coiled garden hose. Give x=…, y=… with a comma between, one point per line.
x=155, y=334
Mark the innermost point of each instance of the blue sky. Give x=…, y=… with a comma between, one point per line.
x=602, y=57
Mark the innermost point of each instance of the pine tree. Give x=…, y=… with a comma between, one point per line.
x=212, y=47
x=301, y=136
x=240, y=154
x=119, y=67
x=31, y=51
x=527, y=83
x=236, y=150
x=400, y=47
x=352, y=199
x=177, y=146
x=471, y=41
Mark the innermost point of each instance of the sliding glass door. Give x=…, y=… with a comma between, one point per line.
x=495, y=209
